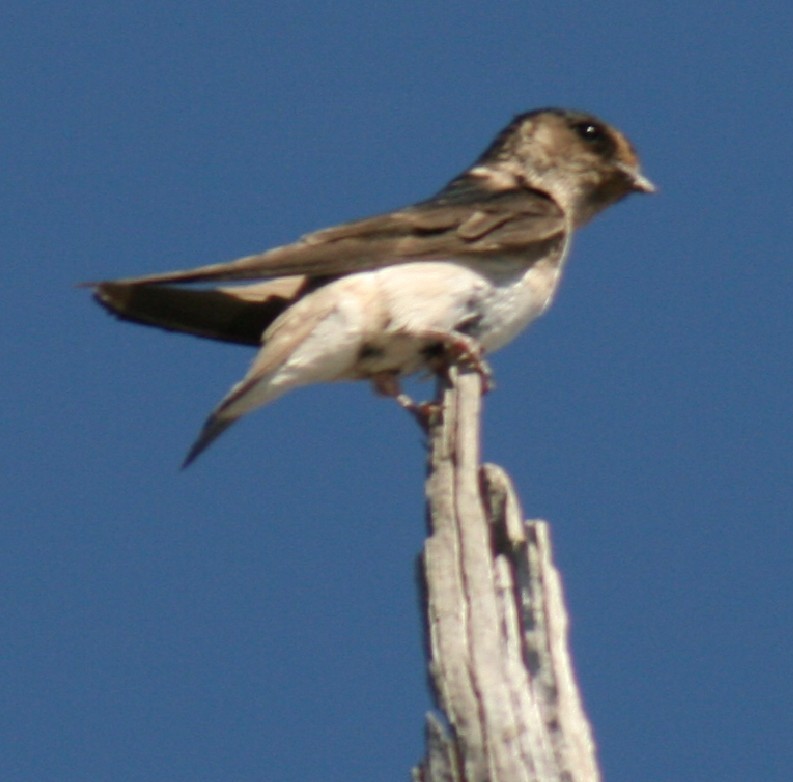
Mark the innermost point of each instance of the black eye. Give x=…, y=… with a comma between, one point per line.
x=589, y=132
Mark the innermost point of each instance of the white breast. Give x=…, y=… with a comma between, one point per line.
x=491, y=301
x=514, y=299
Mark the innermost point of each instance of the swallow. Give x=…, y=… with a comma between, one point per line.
x=452, y=278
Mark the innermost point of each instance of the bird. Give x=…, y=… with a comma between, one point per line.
x=449, y=279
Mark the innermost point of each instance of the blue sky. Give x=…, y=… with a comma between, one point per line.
x=256, y=616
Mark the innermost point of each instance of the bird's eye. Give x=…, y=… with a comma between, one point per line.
x=589, y=131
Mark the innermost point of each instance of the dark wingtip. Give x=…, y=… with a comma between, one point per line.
x=210, y=314
x=212, y=429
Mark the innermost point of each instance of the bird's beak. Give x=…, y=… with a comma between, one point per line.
x=642, y=184
x=638, y=181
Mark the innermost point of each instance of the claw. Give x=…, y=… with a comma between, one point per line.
x=466, y=350
x=425, y=413
x=387, y=384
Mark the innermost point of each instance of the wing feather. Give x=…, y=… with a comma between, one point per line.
x=466, y=219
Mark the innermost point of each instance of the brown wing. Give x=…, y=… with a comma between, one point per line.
x=465, y=219
x=238, y=315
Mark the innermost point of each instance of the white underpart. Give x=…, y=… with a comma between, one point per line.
x=367, y=322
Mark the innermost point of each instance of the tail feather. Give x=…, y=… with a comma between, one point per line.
x=241, y=399
x=214, y=426
x=223, y=315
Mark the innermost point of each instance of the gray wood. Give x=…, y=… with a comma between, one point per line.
x=496, y=624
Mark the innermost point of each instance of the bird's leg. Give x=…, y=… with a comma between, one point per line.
x=457, y=348
x=387, y=384
x=461, y=348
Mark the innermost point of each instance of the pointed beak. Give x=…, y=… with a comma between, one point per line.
x=638, y=181
x=642, y=184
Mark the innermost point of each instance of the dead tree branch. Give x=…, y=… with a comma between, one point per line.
x=496, y=625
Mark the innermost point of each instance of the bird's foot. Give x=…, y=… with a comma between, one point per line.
x=462, y=349
x=387, y=384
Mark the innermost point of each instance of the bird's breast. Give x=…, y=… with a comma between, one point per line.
x=512, y=300
x=488, y=300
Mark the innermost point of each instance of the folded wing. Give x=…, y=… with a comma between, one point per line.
x=468, y=219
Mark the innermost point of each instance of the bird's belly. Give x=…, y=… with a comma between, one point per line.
x=491, y=302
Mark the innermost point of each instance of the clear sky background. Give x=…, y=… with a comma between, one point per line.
x=255, y=617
